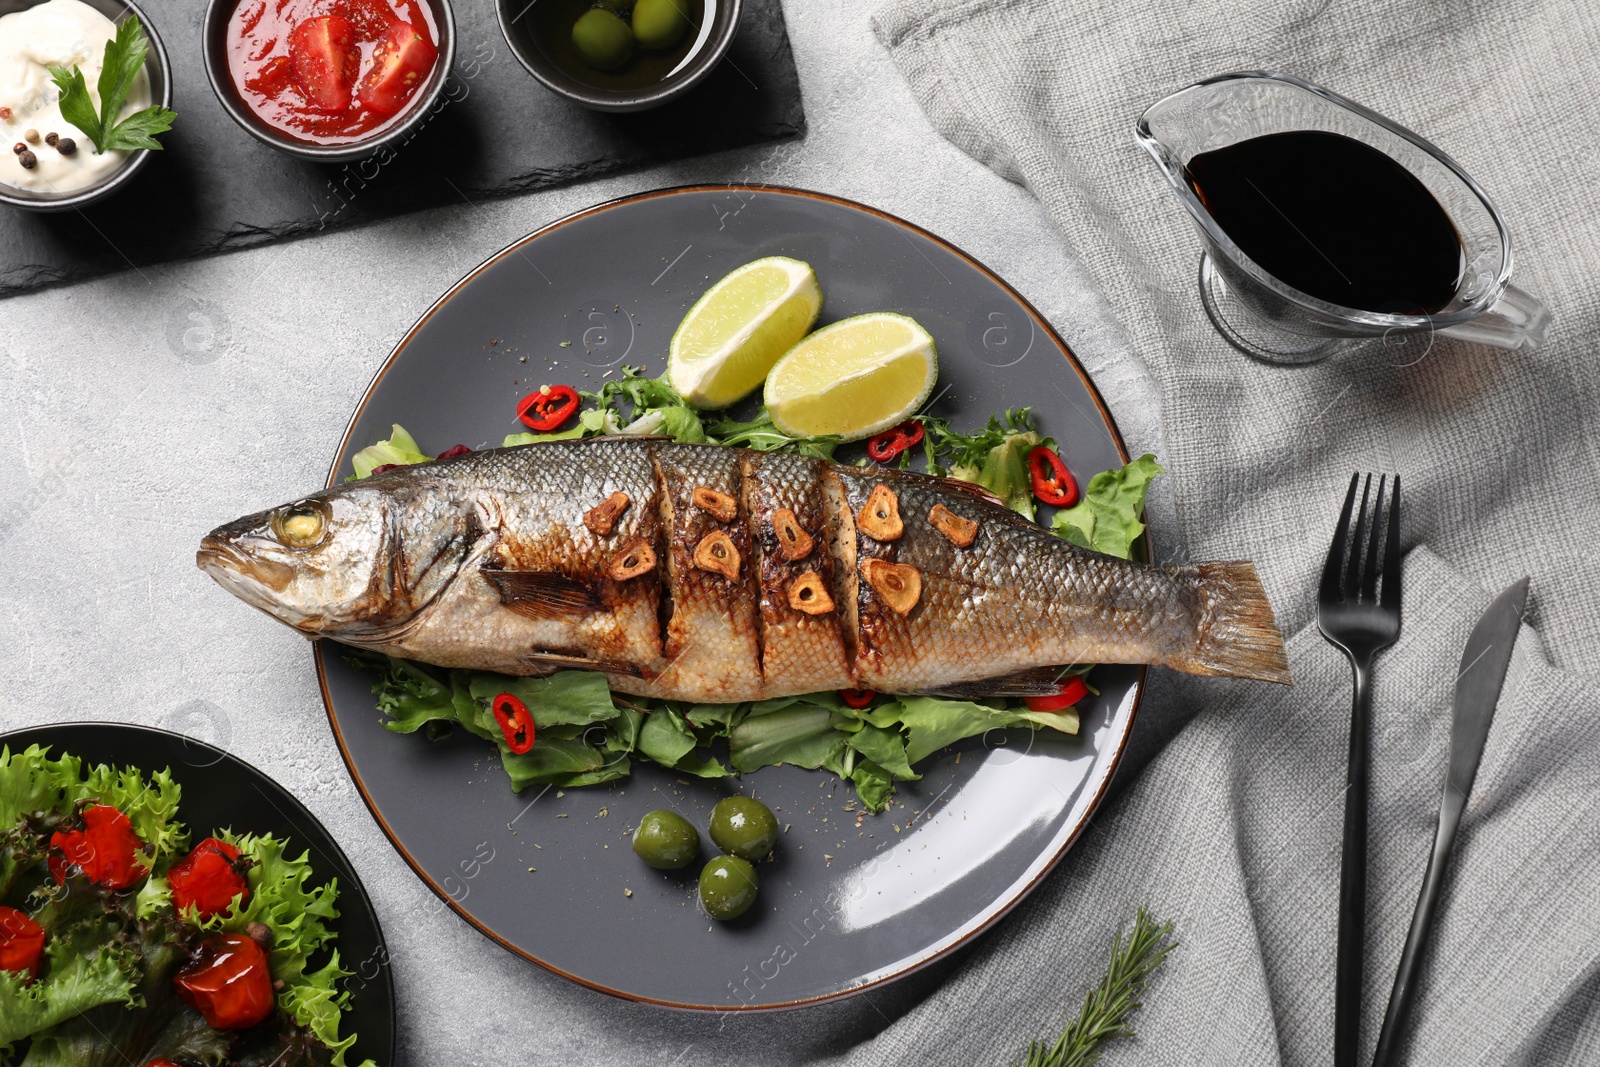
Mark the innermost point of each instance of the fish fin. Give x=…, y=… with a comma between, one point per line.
x=541, y=594
x=550, y=662
x=1035, y=682
x=1236, y=635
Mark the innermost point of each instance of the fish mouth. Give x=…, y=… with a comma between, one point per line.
x=234, y=568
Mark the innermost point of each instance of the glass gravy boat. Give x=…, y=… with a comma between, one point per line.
x=1270, y=320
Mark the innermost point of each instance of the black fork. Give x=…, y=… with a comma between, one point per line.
x=1358, y=610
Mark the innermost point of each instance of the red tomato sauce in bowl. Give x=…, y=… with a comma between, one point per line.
x=331, y=71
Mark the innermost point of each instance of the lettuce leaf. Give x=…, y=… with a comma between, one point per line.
x=399, y=448
x=104, y=994
x=32, y=783
x=995, y=457
x=150, y=803
x=83, y=969
x=299, y=914
x=566, y=697
x=801, y=734
x=654, y=407
x=1107, y=518
x=585, y=736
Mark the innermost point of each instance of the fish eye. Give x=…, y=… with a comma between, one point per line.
x=300, y=525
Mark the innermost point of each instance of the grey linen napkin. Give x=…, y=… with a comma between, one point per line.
x=1233, y=829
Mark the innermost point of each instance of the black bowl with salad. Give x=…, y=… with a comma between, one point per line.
x=162, y=903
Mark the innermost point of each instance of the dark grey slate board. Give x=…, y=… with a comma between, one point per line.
x=215, y=188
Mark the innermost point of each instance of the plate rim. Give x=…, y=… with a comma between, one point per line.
x=361, y=893
x=1020, y=893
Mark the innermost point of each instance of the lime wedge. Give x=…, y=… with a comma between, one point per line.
x=733, y=335
x=853, y=379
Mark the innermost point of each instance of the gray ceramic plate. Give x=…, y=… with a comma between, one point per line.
x=222, y=791
x=849, y=902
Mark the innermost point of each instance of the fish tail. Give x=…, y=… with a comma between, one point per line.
x=1236, y=635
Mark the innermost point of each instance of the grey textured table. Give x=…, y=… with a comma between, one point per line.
x=139, y=410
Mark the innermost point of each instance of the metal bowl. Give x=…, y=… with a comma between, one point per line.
x=159, y=70
x=214, y=41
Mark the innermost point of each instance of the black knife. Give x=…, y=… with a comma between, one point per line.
x=1483, y=671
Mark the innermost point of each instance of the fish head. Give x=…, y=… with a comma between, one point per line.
x=359, y=563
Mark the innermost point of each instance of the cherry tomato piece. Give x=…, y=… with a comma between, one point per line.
x=229, y=983
x=401, y=62
x=21, y=942
x=857, y=698
x=1052, y=482
x=516, y=722
x=208, y=878
x=1072, y=690
x=325, y=60
x=106, y=849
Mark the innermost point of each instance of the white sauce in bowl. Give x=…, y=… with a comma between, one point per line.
x=63, y=33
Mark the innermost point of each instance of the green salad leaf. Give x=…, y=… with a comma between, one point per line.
x=400, y=448
x=653, y=407
x=1106, y=519
x=586, y=735
x=103, y=997
x=284, y=896
x=83, y=969
x=124, y=57
x=763, y=435
x=995, y=457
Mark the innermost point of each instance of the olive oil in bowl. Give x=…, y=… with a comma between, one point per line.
x=1334, y=218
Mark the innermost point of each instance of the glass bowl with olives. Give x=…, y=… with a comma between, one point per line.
x=619, y=55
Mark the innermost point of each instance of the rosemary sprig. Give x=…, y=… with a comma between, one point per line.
x=1109, y=1006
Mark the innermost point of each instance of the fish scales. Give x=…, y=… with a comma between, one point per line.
x=495, y=560
x=713, y=645
x=807, y=650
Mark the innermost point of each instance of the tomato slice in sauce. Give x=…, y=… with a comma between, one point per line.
x=325, y=60
x=331, y=72
x=401, y=62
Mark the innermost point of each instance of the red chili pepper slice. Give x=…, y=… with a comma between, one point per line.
x=454, y=451
x=890, y=443
x=857, y=698
x=21, y=942
x=516, y=722
x=1072, y=690
x=549, y=407
x=1052, y=482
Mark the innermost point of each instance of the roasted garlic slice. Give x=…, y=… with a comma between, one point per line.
x=879, y=518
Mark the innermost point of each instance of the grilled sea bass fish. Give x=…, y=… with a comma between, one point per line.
x=712, y=574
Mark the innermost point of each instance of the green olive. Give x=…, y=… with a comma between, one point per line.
x=666, y=841
x=744, y=827
x=727, y=887
x=603, y=39
x=659, y=23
